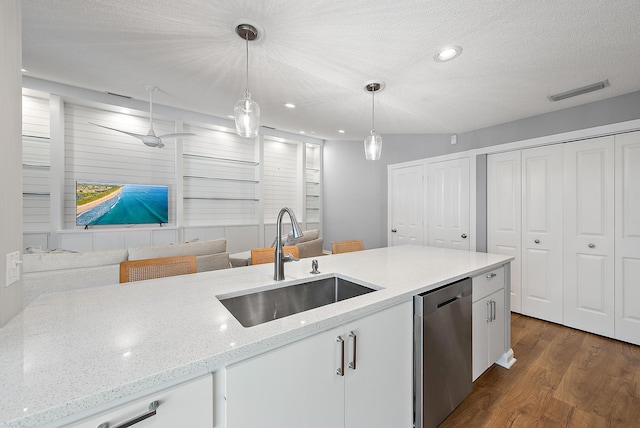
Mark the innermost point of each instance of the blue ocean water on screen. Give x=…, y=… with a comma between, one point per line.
x=136, y=204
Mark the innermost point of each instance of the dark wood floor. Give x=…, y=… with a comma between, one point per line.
x=562, y=378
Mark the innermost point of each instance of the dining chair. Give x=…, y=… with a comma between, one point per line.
x=138, y=270
x=347, y=246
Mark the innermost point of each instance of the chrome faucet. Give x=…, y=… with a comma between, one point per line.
x=278, y=271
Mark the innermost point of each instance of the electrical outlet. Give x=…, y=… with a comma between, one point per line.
x=12, y=268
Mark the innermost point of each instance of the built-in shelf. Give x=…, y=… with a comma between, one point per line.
x=35, y=166
x=253, y=163
x=222, y=199
x=36, y=194
x=238, y=180
x=36, y=138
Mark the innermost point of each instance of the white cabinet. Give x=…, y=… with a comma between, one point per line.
x=588, y=235
x=488, y=318
x=299, y=384
x=186, y=405
x=448, y=204
x=627, y=238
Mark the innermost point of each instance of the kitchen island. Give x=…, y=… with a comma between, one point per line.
x=69, y=355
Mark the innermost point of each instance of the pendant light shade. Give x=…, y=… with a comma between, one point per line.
x=373, y=143
x=247, y=111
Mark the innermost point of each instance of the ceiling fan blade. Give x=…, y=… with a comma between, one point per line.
x=177, y=135
x=139, y=136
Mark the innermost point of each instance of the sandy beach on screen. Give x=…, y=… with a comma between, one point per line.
x=86, y=207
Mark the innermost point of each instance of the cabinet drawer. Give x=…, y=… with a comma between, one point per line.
x=189, y=404
x=487, y=283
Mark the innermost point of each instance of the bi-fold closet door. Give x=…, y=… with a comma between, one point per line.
x=570, y=214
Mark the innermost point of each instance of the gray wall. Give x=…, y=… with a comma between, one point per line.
x=355, y=190
x=11, y=143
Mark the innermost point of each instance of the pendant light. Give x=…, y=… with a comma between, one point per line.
x=373, y=143
x=247, y=111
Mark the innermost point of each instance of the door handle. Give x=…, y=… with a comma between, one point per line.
x=340, y=370
x=394, y=230
x=153, y=406
x=592, y=245
x=537, y=241
x=463, y=236
x=352, y=364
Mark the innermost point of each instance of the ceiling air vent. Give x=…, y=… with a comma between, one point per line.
x=580, y=91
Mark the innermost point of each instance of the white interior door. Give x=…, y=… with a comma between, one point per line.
x=542, y=233
x=406, y=192
x=504, y=218
x=627, y=231
x=448, y=204
x=588, y=235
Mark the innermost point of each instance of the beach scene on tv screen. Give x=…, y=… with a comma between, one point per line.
x=113, y=203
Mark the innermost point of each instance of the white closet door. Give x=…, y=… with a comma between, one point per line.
x=627, y=276
x=542, y=233
x=588, y=235
x=448, y=204
x=406, y=193
x=504, y=227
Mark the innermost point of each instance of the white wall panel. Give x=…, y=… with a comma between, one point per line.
x=97, y=154
x=36, y=171
x=280, y=179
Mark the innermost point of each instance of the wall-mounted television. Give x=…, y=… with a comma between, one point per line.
x=99, y=203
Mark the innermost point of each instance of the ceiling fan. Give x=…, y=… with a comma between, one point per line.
x=150, y=138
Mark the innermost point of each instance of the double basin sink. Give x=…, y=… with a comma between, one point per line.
x=263, y=306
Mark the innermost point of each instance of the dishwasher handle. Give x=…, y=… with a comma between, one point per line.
x=446, y=302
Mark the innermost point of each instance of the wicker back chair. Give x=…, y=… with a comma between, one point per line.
x=268, y=254
x=138, y=270
x=347, y=246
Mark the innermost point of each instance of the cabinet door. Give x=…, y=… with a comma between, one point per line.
x=448, y=204
x=488, y=331
x=588, y=235
x=627, y=231
x=378, y=393
x=293, y=386
x=189, y=404
x=504, y=229
x=542, y=233
x=406, y=205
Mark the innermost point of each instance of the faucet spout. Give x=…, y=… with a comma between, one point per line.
x=278, y=269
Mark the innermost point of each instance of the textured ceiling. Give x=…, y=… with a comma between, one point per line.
x=318, y=55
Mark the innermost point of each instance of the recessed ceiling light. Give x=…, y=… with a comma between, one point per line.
x=230, y=116
x=341, y=131
x=447, y=53
x=302, y=132
x=24, y=70
x=290, y=105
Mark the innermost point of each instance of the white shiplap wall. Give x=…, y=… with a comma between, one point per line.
x=97, y=154
x=281, y=179
x=221, y=177
x=36, y=171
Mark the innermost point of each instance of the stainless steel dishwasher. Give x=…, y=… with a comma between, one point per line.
x=442, y=352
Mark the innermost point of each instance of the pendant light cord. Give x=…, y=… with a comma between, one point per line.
x=247, y=45
x=373, y=107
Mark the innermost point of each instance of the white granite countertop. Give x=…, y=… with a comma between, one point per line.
x=70, y=352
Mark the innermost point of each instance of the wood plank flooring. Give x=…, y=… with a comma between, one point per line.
x=562, y=378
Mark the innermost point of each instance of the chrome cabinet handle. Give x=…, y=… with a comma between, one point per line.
x=394, y=230
x=493, y=310
x=592, y=245
x=463, y=236
x=340, y=370
x=537, y=241
x=352, y=363
x=488, y=310
x=153, y=406
x=491, y=275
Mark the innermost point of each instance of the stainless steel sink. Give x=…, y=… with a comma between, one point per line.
x=263, y=306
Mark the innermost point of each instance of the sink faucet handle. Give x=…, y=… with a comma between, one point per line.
x=288, y=257
x=314, y=267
